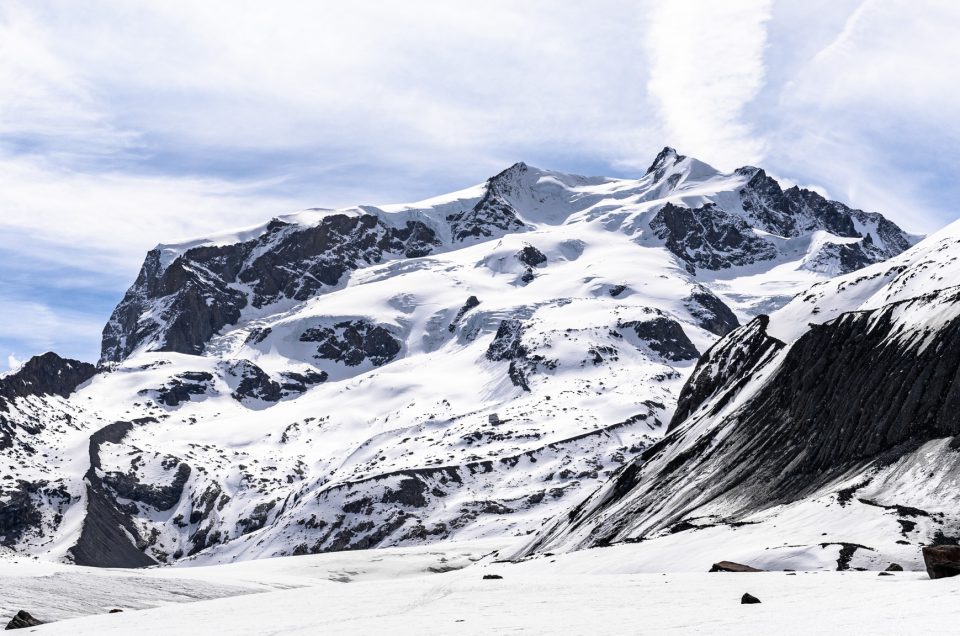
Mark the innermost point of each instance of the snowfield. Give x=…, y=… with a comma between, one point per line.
x=594, y=591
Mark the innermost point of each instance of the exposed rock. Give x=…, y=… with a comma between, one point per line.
x=491, y=577
x=127, y=485
x=665, y=336
x=748, y=599
x=666, y=158
x=884, y=573
x=21, y=620
x=178, y=306
x=709, y=237
x=729, y=359
x=105, y=539
x=710, y=312
x=942, y=561
x=46, y=374
x=180, y=388
x=493, y=214
x=531, y=256
x=254, y=382
x=294, y=382
x=352, y=342
x=730, y=566
x=894, y=567
x=472, y=302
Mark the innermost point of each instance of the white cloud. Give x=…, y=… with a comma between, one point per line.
x=12, y=363
x=707, y=64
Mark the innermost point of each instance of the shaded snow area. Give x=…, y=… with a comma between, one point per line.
x=590, y=592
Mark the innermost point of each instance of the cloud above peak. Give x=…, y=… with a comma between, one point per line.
x=707, y=64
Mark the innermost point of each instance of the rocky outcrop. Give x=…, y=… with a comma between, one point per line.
x=128, y=486
x=731, y=566
x=181, y=388
x=21, y=620
x=472, y=302
x=796, y=211
x=665, y=336
x=251, y=382
x=507, y=345
x=709, y=237
x=726, y=367
x=178, y=306
x=352, y=342
x=493, y=214
x=710, y=312
x=109, y=538
x=46, y=374
x=941, y=561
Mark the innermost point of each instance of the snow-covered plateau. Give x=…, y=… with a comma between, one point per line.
x=579, y=383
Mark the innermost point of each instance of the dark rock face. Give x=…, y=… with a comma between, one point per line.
x=19, y=513
x=796, y=211
x=127, y=485
x=471, y=303
x=942, y=561
x=180, y=388
x=193, y=299
x=254, y=384
x=726, y=366
x=258, y=517
x=748, y=599
x=294, y=382
x=21, y=620
x=667, y=158
x=353, y=342
x=665, y=336
x=105, y=539
x=709, y=237
x=847, y=394
x=894, y=567
x=493, y=214
x=710, y=312
x=46, y=374
x=507, y=345
x=730, y=566
x=492, y=577
x=531, y=256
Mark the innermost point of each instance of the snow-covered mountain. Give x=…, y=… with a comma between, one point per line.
x=467, y=366
x=826, y=431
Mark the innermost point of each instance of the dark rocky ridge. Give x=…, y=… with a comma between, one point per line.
x=493, y=213
x=105, y=539
x=286, y=262
x=354, y=341
x=46, y=374
x=845, y=395
x=711, y=238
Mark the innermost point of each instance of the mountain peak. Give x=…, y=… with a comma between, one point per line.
x=667, y=157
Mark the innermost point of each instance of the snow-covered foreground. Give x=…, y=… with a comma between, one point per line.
x=594, y=591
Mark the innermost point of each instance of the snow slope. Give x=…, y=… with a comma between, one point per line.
x=582, y=593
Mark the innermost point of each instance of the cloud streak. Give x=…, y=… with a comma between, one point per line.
x=707, y=64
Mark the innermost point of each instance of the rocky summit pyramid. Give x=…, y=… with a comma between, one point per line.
x=467, y=366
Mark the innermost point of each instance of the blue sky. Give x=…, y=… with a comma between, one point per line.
x=124, y=124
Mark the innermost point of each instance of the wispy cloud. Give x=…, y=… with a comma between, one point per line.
x=707, y=64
